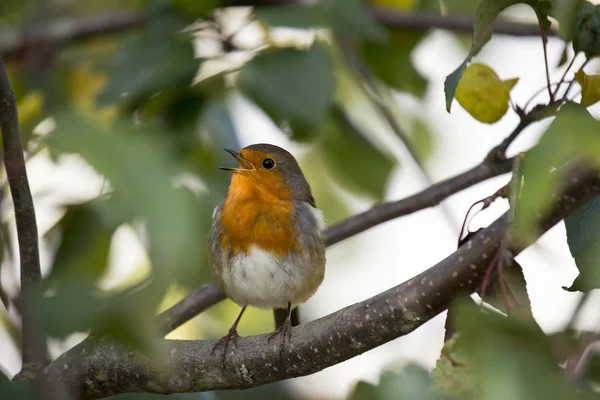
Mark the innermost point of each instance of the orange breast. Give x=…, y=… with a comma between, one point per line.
x=254, y=214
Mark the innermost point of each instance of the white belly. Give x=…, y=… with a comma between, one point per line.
x=262, y=280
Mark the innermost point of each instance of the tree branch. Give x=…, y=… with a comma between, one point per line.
x=191, y=305
x=34, y=345
x=188, y=366
x=457, y=23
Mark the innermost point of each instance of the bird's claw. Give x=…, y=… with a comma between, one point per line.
x=286, y=330
x=231, y=336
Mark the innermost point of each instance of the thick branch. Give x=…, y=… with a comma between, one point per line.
x=34, y=347
x=95, y=369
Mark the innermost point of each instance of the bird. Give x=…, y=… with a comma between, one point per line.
x=265, y=243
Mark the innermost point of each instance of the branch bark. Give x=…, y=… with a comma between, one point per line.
x=34, y=345
x=98, y=368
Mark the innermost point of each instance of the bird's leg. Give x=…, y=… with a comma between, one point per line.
x=285, y=330
x=232, y=335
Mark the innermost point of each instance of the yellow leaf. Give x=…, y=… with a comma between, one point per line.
x=84, y=85
x=590, y=88
x=400, y=5
x=30, y=107
x=483, y=94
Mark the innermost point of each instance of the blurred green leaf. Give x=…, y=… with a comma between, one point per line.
x=453, y=375
x=82, y=256
x=485, y=18
x=292, y=16
x=422, y=138
x=347, y=17
x=16, y=390
x=511, y=358
x=291, y=85
x=583, y=236
x=354, y=161
x=565, y=12
x=141, y=173
x=156, y=59
x=195, y=8
x=586, y=38
x=351, y=19
x=573, y=133
x=411, y=383
x=391, y=63
x=328, y=199
x=515, y=290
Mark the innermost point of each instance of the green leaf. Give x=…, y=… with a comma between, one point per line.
x=453, y=375
x=351, y=19
x=82, y=256
x=565, y=12
x=141, y=173
x=422, y=138
x=583, y=236
x=515, y=290
x=326, y=195
x=155, y=59
x=391, y=63
x=22, y=390
x=292, y=16
x=290, y=85
x=359, y=166
x=451, y=82
x=485, y=19
x=410, y=383
x=511, y=358
x=348, y=17
x=195, y=8
x=586, y=38
x=573, y=133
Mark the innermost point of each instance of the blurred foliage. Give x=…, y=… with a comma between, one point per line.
x=590, y=88
x=495, y=357
x=132, y=106
x=573, y=133
x=582, y=237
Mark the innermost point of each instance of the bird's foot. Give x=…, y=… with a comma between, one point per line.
x=231, y=336
x=285, y=331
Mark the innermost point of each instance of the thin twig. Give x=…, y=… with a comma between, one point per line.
x=577, y=363
x=34, y=346
x=564, y=75
x=545, y=47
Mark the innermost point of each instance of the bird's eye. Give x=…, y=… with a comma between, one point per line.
x=268, y=163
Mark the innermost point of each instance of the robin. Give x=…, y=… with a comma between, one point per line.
x=265, y=245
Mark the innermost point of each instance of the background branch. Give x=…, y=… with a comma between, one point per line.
x=72, y=30
x=187, y=366
x=34, y=345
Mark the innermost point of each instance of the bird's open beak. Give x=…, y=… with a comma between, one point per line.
x=244, y=165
